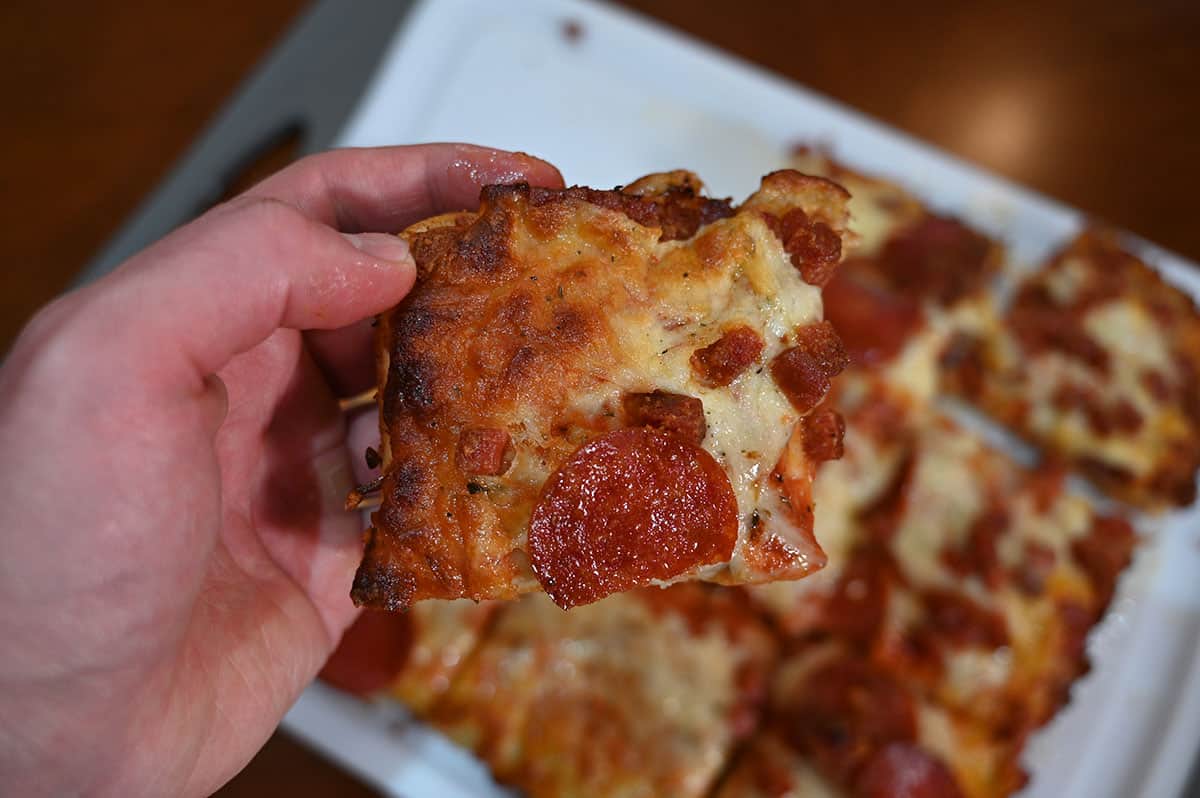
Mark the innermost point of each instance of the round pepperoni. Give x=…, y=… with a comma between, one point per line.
x=628, y=508
x=903, y=770
x=873, y=324
x=372, y=652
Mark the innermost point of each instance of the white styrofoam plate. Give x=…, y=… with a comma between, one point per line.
x=629, y=97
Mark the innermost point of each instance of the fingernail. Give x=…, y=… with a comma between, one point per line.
x=381, y=245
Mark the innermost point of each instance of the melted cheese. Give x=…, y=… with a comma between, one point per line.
x=945, y=497
x=556, y=703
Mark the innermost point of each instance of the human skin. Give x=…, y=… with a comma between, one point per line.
x=175, y=559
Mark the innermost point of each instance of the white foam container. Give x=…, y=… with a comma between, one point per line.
x=630, y=97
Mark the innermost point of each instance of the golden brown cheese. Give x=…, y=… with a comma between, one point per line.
x=506, y=375
x=641, y=694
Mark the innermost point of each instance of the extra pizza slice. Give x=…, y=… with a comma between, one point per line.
x=1097, y=361
x=645, y=693
x=588, y=391
x=961, y=573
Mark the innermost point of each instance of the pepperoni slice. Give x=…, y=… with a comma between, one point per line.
x=719, y=363
x=371, y=654
x=804, y=371
x=903, y=770
x=681, y=416
x=874, y=324
x=627, y=508
x=484, y=451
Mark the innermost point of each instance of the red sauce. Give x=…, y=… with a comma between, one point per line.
x=881, y=516
x=857, y=607
x=1042, y=324
x=963, y=622
x=963, y=360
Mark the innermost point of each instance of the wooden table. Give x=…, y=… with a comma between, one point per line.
x=1094, y=103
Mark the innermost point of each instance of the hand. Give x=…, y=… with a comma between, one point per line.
x=175, y=561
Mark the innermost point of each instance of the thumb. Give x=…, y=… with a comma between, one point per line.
x=381, y=245
x=182, y=309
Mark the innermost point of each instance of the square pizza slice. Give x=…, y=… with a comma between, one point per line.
x=588, y=391
x=838, y=726
x=642, y=694
x=1097, y=361
x=951, y=566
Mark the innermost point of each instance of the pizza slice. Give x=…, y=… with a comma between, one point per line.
x=642, y=694
x=1097, y=361
x=963, y=574
x=839, y=726
x=588, y=391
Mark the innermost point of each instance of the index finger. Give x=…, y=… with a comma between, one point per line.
x=385, y=189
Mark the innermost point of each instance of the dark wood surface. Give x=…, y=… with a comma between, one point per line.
x=1094, y=103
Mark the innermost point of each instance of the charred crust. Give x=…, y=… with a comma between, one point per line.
x=410, y=385
x=679, y=211
x=379, y=584
x=484, y=246
x=406, y=490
